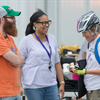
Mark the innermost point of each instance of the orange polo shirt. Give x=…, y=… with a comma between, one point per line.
x=8, y=73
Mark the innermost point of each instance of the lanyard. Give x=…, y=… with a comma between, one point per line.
x=49, y=54
x=88, y=57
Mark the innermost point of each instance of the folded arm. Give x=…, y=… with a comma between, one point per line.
x=15, y=59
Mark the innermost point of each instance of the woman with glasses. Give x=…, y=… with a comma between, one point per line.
x=42, y=64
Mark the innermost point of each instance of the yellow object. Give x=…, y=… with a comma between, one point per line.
x=72, y=48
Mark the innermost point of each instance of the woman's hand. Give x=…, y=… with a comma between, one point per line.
x=78, y=72
x=72, y=70
x=61, y=90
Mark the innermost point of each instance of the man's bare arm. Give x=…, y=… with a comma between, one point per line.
x=15, y=59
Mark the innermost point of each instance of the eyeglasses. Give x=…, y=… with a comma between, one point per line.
x=13, y=18
x=45, y=22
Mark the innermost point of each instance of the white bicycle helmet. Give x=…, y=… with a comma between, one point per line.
x=87, y=21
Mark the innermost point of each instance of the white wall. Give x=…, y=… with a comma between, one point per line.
x=71, y=10
x=63, y=13
x=27, y=8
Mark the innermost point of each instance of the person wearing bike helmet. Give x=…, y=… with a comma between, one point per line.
x=88, y=24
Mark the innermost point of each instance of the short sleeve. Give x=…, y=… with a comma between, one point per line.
x=23, y=47
x=83, y=49
x=57, y=54
x=85, y=46
x=3, y=47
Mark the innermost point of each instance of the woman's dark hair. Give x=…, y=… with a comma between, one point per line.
x=33, y=18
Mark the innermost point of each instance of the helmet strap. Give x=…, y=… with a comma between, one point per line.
x=93, y=34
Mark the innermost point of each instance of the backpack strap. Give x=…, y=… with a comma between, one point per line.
x=96, y=51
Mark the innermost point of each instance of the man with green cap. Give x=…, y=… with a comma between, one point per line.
x=10, y=57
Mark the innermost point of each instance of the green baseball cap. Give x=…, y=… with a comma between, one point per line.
x=6, y=10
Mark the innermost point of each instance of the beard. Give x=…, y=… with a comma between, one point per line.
x=10, y=28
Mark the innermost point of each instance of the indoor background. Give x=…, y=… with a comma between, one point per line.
x=63, y=13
